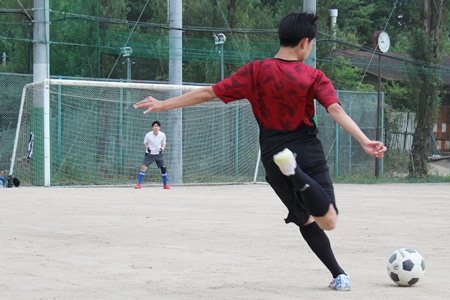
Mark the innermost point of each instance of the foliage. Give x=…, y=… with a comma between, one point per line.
x=15, y=37
x=396, y=163
x=344, y=76
x=87, y=35
x=392, y=126
x=397, y=96
x=424, y=83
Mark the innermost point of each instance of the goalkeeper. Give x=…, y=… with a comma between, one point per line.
x=155, y=143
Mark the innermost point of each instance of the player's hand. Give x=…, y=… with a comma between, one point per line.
x=161, y=150
x=151, y=104
x=375, y=148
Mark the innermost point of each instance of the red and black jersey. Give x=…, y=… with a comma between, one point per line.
x=280, y=92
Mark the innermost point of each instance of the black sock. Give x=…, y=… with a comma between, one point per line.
x=315, y=198
x=320, y=244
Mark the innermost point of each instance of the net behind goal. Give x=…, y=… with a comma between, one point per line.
x=88, y=133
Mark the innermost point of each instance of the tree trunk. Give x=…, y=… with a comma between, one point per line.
x=420, y=146
x=426, y=89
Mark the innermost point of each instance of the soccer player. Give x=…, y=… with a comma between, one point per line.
x=281, y=91
x=155, y=143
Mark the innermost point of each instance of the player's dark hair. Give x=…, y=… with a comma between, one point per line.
x=156, y=122
x=296, y=26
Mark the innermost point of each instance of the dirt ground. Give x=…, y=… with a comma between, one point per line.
x=213, y=242
x=440, y=167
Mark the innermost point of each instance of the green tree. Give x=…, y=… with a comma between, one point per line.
x=344, y=76
x=397, y=96
x=15, y=36
x=425, y=82
x=78, y=30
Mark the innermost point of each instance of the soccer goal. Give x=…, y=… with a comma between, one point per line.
x=77, y=132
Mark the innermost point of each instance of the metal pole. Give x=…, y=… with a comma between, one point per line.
x=129, y=63
x=41, y=101
x=128, y=69
x=41, y=61
x=310, y=6
x=222, y=72
x=126, y=52
x=378, y=131
x=175, y=117
x=220, y=39
x=333, y=15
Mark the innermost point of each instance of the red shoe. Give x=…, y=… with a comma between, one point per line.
x=137, y=186
x=166, y=187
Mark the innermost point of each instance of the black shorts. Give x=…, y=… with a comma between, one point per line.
x=158, y=158
x=310, y=158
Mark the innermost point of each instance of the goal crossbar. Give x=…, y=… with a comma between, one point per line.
x=111, y=84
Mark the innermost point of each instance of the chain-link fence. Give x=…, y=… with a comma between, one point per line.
x=11, y=86
x=101, y=139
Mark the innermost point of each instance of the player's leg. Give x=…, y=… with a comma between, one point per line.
x=148, y=159
x=320, y=244
x=314, y=196
x=140, y=177
x=161, y=164
x=316, y=237
x=290, y=192
x=298, y=213
x=164, y=177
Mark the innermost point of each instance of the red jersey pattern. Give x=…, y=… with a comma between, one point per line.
x=280, y=92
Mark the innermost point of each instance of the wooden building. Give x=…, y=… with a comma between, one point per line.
x=393, y=67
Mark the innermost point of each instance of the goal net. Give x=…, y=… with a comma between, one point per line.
x=76, y=132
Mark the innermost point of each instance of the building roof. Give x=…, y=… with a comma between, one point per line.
x=393, y=66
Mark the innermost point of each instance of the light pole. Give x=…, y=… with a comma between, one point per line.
x=333, y=16
x=220, y=39
x=126, y=52
x=381, y=43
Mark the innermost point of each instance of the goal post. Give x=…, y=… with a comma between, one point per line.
x=88, y=133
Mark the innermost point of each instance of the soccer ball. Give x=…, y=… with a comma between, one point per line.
x=406, y=266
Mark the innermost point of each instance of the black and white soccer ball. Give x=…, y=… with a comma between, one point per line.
x=406, y=267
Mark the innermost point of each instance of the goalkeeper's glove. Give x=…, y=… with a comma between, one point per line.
x=161, y=150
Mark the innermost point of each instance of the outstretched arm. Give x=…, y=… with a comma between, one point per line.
x=374, y=148
x=189, y=99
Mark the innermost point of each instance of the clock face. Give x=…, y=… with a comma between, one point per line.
x=383, y=41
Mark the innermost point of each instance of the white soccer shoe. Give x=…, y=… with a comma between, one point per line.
x=340, y=283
